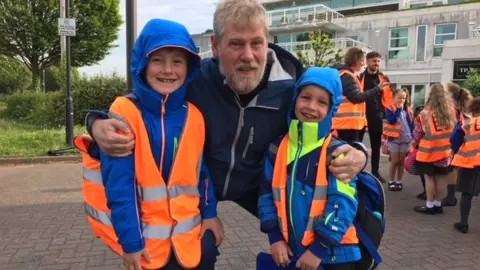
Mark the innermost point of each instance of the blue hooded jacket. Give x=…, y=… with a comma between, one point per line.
x=119, y=173
x=306, y=141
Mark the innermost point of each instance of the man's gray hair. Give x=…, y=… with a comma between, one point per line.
x=238, y=12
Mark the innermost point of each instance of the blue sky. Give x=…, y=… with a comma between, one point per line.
x=196, y=15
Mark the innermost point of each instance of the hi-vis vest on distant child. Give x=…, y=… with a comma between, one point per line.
x=170, y=213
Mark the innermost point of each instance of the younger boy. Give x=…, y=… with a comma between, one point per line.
x=160, y=196
x=305, y=211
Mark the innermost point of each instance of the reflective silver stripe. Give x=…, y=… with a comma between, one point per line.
x=99, y=216
x=187, y=225
x=436, y=137
x=390, y=129
x=434, y=149
x=344, y=100
x=280, y=224
x=156, y=231
x=468, y=154
x=92, y=176
x=320, y=193
x=160, y=192
x=340, y=115
x=273, y=148
x=276, y=194
x=312, y=223
x=471, y=138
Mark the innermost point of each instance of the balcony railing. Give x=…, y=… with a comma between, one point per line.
x=206, y=54
x=302, y=15
x=339, y=43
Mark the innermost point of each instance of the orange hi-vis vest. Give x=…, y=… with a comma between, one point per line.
x=468, y=156
x=387, y=93
x=170, y=214
x=349, y=115
x=394, y=131
x=319, y=203
x=435, y=145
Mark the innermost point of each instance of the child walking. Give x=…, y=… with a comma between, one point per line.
x=305, y=211
x=433, y=128
x=161, y=201
x=465, y=143
x=399, y=130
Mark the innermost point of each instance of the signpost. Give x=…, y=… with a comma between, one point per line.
x=66, y=27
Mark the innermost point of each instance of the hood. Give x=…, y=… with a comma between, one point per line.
x=156, y=34
x=328, y=79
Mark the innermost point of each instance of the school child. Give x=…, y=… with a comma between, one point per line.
x=305, y=211
x=466, y=144
x=423, y=195
x=160, y=197
x=433, y=128
x=399, y=130
x=461, y=98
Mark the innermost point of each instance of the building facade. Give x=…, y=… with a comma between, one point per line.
x=422, y=41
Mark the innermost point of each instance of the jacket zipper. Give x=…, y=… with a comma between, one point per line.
x=249, y=142
x=232, y=150
x=292, y=178
x=306, y=177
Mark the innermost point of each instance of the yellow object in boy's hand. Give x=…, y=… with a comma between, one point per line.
x=342, y=180
x=308, y=261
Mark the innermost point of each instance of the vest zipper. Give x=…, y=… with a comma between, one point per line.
x=162, y=121
x=292, y=178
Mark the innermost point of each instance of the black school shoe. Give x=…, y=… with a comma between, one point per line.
x=379, y=177
x=398, y=186
x=422, y=196
x=463, y=228
x=392, y=186
x=449, y=201
x=438, y=209
x=423, y=209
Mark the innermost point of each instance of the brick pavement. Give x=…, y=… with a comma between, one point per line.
x=42, y=226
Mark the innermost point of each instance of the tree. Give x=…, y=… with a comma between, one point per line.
x=29, y=31
x=473, y=82
x=323, y=51
x=14, y=76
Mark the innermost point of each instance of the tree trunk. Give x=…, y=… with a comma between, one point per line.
x=36, y=77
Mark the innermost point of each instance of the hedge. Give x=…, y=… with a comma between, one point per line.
x=48, y=109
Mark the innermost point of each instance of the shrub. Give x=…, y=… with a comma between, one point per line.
x=473, y=82
x=14, y=75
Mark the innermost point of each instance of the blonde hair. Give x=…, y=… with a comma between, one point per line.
x=406, y=105
x=238, y=12
x=439, y=104
x=461, y=96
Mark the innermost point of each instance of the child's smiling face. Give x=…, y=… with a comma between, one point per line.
x=312, y=104
x=167, y=69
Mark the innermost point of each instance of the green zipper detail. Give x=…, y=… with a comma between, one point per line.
x=175, y=147
x=299, y=150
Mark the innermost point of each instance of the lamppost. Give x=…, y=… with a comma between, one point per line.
x=131, y=10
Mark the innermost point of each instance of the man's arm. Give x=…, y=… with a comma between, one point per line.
x=352, y=92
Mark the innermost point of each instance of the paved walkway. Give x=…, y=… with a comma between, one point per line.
x=42, y=226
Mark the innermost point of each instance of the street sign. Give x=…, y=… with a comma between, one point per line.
x=66, y=27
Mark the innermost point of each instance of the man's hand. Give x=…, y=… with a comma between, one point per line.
x=106, y=134
x=344, y=169
x=214, y=225
x=308, y=261
x=281, y=253
x=131, y=261
x=384, y=84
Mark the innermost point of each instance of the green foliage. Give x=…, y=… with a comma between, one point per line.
x=14, y=75
x=47, y=110
x=56, y=77
x=28, y=30
x=324, y=53
x=473, y=82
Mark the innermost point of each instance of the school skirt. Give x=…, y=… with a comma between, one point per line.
x=468, y=181
x=431, y=170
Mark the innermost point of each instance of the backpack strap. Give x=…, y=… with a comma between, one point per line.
x=363, y=237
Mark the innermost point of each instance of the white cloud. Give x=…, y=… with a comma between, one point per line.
x=196, y=15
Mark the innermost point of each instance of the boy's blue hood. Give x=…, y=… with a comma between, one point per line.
x=156, y=34
x=328, y=79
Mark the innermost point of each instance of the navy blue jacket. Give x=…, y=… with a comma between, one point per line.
x=119, y=173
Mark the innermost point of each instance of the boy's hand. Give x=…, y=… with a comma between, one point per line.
x=308, y=261
x=214, y=225
x=280, y=253
x=131, y=261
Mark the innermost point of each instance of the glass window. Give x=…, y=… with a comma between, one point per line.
x=419, y=95
x=437, y=3
x=282, y=38
x=454, y=1
x=443, y=32
x=421, y=43
x=398, y=45
x=417, y=5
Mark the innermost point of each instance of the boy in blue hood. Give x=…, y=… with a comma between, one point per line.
x=305, y=211
x=164, y=61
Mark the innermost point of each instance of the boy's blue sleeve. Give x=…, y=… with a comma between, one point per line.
x=92, y=116
x=392, y=116
x=456, y=140
x=339, y=215
x=267, y=210
x=120, y=186
x=208, y=201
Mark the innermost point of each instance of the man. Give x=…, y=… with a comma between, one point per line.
x=244, y=94
x=370, y=78
x=350, y=120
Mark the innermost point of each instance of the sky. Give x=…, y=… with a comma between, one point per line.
x=196, y=15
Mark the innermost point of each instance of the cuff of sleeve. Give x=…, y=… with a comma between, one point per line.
x=274, y=237
x=93, y=116
x=134, y=246
x=319, y=250
x=210, y=211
